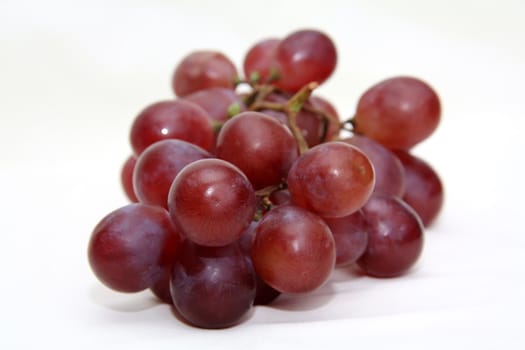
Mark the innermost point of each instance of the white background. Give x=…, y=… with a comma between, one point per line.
x=73, y=75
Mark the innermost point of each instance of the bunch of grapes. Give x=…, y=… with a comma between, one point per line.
x=242, y=194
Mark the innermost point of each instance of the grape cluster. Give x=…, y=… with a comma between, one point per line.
x=238, y=197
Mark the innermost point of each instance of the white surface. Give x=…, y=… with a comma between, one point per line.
x=72, y=78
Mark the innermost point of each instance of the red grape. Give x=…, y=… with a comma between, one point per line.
x=216, y=101
x=212, y=287
x=280, y=197
x=395, y=237
x=212, y=202
x=293, y=250
x=126, y=177
x=329, y=110
x=390, y=177
x=246, y=187
x=177, y=119
x=398, y=112
x=350, y=235
x=259, y=145
x=161, y=288
x=202, y=70
x=333, y=179
x=157, y=167
x=260, y=60
x=311, y=125
x=264, y=293
x=323, y=105
x=303, y=57
x=129, y=248
x=424, y=189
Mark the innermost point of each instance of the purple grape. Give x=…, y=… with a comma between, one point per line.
x=130, y=247
x=212, y=287
x=395, y=237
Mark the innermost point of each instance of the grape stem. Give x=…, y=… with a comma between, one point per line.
x=259, y=94
x=216, y=126
x=291, y=108
x=325, y=120
x=266, y=191
x=264, y=195
x=255, y=79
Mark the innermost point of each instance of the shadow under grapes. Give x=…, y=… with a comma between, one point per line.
x=123, y=302
x=303, y=302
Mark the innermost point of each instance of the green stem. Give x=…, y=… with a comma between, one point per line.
x=274, y=106
x=267, y=191
x=325, y=120
x=293, y=107
x=257, y=101
x=216, y=126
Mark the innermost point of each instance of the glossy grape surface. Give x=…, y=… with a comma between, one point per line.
x=216, y=101
x=398, y=112
x=259, y=145
x=331, y=113
x=211, y=202
x=350, y=235
x=293, y=250
x=202, y=70
x=389, y=173
x=312, y=125
x=303, y=57
x=212, y=287
x=260, y=59
x=333, y=179
x=395, y=237
x=424, y=189
x=126, y=177
x=129, y=248
x=161, y=288
x=157, y=167
x=264, y=293
x=280, y=197
x=177, y=119
x=244, y=189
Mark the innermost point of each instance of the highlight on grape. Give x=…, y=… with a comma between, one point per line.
x=238, y=195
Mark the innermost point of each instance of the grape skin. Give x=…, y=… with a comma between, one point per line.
x=161, y=288
x=334, y=206
x=177, y=119
x=216, y=101
x=293, y=250
x=389, y=173
x=264, y=293
x=350, y=235
x=395, y=237
x=157, y=167
x=303, y=57
x=202, y=70
x=424, y=189
x=259, y=145
x=212, y=202
x=331, y=113
x=398, y=112
x=126, y=178
x=310, y=124
x=333, y=179
x=280, y=197
x=212, y=287
x=260, y=59
x=129, y=248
